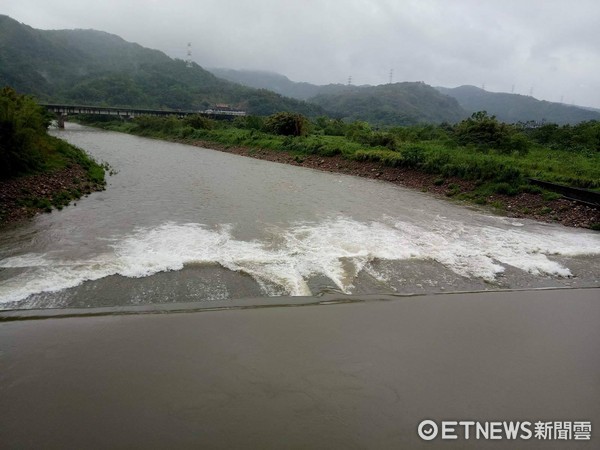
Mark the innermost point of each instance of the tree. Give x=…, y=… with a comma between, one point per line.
x=486, y=131
x=23, y=127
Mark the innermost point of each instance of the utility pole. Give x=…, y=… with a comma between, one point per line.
x=350, y=80
x=391, y=75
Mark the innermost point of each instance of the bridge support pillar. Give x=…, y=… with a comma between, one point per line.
x=61, y=120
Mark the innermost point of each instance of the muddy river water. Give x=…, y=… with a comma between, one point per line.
x=185, y=224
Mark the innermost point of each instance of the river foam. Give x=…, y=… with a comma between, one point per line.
x=338, y=248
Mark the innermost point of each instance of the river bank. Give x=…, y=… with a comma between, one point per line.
x=26, y=196
x=38, y=171
x=523, y=205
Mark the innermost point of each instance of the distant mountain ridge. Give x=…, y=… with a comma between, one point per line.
x=512, y=108
x=269, y=80
x=387, y=104
x=509, y=108
x=98, y=68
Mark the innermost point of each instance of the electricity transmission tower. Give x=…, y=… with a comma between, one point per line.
x=188, y=61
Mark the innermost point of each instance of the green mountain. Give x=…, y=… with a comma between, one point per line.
x=269, y=80
x=512, y=108
x=506, y=107
x=390, y=104
x=97, y=68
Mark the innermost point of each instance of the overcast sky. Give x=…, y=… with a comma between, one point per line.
x=550, y=48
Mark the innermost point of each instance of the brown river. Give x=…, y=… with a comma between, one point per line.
x=184, y=224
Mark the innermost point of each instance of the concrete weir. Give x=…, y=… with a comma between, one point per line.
x=362, y=374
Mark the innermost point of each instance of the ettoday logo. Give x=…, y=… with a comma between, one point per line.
x=429, y=430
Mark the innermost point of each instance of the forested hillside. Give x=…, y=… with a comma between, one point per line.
x=513, y=108
x=93, y=67
x=97, y=68
x=509, y=108
x=390, y=104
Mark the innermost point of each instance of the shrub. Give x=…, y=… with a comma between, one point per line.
x=287, y=124
x=199, y=122
x=362, y=133
x=148, y=123
x=249, y=122
x=413, y=156
x=330, y=127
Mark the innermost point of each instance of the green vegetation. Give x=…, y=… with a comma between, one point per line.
x=25, y=146
x=26, y=149
x=583, y=137
x=497, y=157
x=23, y=139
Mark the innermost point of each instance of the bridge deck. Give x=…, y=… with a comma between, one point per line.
x=131, y=112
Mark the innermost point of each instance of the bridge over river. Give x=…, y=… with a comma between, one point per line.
x=62, y=111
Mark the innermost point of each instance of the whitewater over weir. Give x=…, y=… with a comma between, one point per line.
x=179, y=223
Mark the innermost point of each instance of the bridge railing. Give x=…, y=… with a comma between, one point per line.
x=132, y=112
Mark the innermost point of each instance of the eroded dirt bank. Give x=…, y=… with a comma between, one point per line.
x=27, y=196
